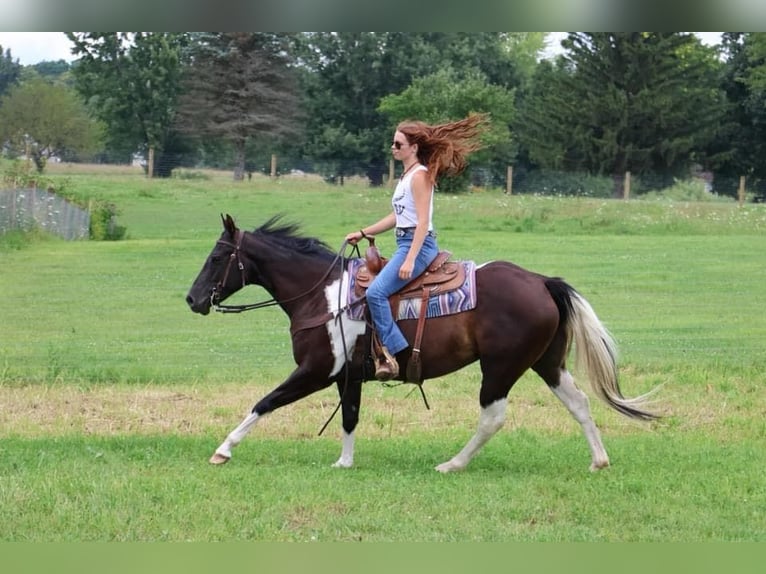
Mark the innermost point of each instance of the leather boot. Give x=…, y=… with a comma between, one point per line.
x=386, y=366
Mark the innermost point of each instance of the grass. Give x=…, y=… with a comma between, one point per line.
x=528, y=488
x=114, y=394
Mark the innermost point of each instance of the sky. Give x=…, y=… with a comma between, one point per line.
x=33, y=47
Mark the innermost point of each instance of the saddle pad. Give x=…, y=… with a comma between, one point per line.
x=447, y=303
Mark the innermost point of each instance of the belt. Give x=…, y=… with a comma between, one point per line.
x=402, y=231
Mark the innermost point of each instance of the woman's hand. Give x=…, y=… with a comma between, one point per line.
x=405, y=271
x=354, y=237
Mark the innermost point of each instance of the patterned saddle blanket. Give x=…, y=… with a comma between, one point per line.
x=457, y=300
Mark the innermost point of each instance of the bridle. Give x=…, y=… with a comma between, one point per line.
x=215, y=294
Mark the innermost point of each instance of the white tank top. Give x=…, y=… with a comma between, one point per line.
x=404, y=203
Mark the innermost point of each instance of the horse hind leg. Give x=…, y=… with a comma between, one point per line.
x=576, y=401
x=491, y=420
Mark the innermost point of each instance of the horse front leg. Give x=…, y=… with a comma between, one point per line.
x=299, y=384
x=350, y=398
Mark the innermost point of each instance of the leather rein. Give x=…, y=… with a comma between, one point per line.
x=235, y=257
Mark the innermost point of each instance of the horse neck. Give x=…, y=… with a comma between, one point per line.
x=295, y=282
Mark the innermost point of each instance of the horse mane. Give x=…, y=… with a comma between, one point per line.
x=286, y=240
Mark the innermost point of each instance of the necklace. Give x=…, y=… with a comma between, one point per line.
x=406, y=171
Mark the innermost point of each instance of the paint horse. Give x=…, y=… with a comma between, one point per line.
x=521, y=320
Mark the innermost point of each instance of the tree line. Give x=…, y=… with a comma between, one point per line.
x=656, y=104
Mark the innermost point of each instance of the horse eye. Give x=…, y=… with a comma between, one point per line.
x=215, y=258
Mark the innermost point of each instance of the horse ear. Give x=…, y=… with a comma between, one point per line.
x=228, y=224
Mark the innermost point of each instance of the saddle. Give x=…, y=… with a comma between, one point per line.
x=440, y=276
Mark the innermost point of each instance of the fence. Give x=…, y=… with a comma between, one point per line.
x=27, y=208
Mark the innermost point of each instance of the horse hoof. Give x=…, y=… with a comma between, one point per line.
x=218, y=459
x=599, y=465
x=448, y=466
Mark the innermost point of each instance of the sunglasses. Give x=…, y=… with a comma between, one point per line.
x=398, y=145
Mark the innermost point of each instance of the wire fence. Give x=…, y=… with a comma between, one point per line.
x=36, y=208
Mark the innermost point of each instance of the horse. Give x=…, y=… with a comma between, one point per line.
x=521, y=320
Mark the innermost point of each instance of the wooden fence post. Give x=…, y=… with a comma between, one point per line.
x=626, y=186
x=509, y=180
x=273, y=165
x=741, y=191
x=150, y=163
x=391, y=172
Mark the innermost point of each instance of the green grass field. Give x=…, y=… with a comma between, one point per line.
x=114, y=394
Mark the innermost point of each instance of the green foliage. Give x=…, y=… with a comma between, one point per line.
x=131, y=83
x=449, y=95
x=18, y=239
x=21, y=174
x=685, y=190
x=621, y=102
x=238, y=84
x=103, y=226
x=564, y=183
x=10, y=70
x=102, y=221
x=46, y=120
x=348, y=75
x=745, y=134
x=181, y=173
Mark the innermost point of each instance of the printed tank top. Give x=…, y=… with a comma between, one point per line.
x=403, y=202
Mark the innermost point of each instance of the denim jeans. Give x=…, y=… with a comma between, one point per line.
x=388, y=282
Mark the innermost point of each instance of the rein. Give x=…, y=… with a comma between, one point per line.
x=235, y=255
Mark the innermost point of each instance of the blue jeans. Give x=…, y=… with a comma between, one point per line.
x=388, y=282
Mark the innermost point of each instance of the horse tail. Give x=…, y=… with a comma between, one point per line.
x=595, y=350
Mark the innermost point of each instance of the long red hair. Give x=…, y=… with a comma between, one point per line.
x=443, y=148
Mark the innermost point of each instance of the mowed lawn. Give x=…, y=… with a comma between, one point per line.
x=113, y=394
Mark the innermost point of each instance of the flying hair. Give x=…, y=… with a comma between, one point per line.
x=443, y=148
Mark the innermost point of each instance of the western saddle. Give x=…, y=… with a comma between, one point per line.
x=441, y=276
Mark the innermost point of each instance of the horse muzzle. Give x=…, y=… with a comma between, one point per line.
x=201, y=306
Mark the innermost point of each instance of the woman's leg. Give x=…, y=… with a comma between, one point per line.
x=388, y=282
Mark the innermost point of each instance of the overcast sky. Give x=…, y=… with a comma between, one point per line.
x=33, y=47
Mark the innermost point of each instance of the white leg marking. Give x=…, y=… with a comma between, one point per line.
x=351, y=329
x=491, y=420
x=346, y=459
x=577, y=403
x=235, y=437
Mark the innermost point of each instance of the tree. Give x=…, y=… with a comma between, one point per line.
x=46, y=120
x=744, y=81
x=639, y=101
x=52, y=69
x=10, y=70
x=131, y=82
x=447, y=95
x=347, y=74
x=547, y=112
x=239, y=86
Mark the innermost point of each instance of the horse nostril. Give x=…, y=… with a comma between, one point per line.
x=189, y=300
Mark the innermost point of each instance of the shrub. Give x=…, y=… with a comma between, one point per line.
x=563, y=183
x=102, y=225
x=685, y=190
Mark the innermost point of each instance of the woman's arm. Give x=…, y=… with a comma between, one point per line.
x=421, y=193
x=388, y=222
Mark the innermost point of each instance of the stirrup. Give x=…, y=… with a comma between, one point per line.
x=386, y=366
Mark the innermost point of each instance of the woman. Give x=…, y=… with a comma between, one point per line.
x=426, y=152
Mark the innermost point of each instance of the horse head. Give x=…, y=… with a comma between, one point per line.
x=223, y=272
